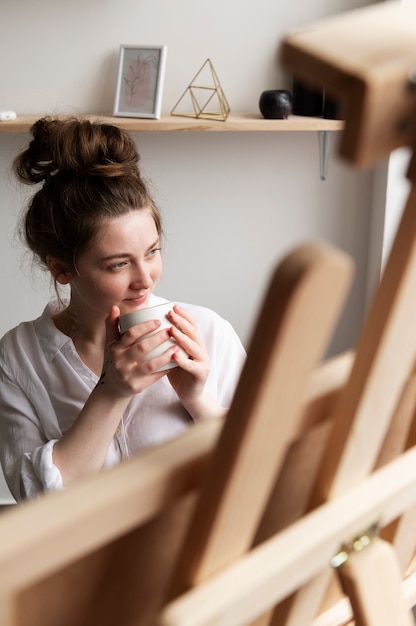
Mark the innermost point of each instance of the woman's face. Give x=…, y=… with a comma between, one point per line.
x=121, y=267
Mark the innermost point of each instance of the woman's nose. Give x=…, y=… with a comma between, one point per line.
x=141, y=278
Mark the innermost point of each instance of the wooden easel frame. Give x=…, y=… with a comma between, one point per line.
x=203, y=530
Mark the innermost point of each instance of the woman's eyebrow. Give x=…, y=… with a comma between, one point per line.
x=154, y=244
x=123, y=255
x=119, y=255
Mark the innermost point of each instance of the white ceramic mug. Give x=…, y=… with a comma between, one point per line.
x=158, y=312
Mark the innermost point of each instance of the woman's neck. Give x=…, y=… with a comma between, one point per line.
x=88, y=338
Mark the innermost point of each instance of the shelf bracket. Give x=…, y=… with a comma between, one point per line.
x=324, y=141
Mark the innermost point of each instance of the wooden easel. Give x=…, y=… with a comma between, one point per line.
x=297, y=509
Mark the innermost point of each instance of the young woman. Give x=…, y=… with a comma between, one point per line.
x=75, y=396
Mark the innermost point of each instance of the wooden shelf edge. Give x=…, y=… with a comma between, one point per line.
x=237, y=122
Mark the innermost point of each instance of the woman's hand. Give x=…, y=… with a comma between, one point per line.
x=83, y=448
x=190, y=377
x=126, y=370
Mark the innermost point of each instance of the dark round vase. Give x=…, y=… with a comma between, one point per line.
x=276, y=104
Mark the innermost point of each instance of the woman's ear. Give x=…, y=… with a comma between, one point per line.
x=61, y=273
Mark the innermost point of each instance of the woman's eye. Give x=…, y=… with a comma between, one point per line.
x=153, y=251
x=118, y=266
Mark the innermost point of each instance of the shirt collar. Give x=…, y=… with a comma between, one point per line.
x=51, y=339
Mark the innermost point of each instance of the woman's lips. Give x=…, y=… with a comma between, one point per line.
x=137, y=301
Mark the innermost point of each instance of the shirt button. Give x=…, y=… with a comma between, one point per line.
x=118, y=432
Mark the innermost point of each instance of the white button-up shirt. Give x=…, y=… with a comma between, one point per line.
x=44, y=385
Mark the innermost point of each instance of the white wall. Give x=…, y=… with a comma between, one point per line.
x=390, y=191
x=233, y=202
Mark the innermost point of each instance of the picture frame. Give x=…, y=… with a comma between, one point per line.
x=140, y=78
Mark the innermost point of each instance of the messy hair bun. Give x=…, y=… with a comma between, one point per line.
x=89, y=173
x=75, y=147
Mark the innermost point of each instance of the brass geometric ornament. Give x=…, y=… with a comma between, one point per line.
x=204, y=97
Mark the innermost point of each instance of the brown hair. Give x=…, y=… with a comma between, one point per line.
x=89, y=173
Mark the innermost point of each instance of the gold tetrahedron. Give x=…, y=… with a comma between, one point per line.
x=204, y=97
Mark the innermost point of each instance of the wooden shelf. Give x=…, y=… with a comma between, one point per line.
x=237, y=122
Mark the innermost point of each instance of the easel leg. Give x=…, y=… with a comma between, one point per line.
x=372, y=580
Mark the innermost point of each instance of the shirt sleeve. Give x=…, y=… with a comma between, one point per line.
x=38, y=472
x=26, y=454
x=230, y=358
x=227, y=355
